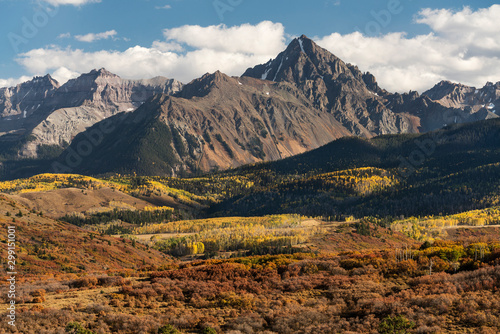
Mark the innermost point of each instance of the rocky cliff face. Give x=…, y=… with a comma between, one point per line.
x=334, y=87
x=364, y=108
x=301, y=100
x=478, y=103
x=53, y=115
x=108, y=92
x=216, y=122
x=23, y=101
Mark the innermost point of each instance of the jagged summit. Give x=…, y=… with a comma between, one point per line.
x=53, y=115
x=334, y=87
x=450, y=94
x=302, y=60
x=47, y=80
x=207, y=83
x=102, y=72
x=25, y=99
x=300, y=100
x=91, y=77
x=445, y=87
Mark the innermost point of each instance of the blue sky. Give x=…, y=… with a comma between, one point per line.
x=407, y=44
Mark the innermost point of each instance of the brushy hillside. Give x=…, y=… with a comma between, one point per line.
x=439, y=288
x=47, y=246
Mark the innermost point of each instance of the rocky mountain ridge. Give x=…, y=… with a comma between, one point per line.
x=334, y=87
x=304, y=98
x=216, y=122
x=457, y=95
x=53, y=115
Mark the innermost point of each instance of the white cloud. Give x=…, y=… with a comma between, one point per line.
x=11, y=82
x=66, y=35
x=163, y=7
x=464, y=46
x=62, y=74
x=71, y=2
x=229, y=55
x=89, y=38
x=264, y=38
x=167, y=46
x=140, y=62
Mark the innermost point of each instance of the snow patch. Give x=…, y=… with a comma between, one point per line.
x=279, y=68
x=130, y=109
x=26, y=94
x=239, y=83
x=301, y=45
x=490, y=106
x=266, y=73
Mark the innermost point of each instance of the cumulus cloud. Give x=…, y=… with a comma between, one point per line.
x=71, y=2
x=89, y=38
x=11, y=82
x=464, y=46
x=221, y=49
x=261, y=39
x=62, y=74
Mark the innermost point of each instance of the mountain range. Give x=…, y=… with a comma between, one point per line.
x=41, y=112
x=303, y=99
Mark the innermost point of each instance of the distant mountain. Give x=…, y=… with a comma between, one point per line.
x=301, y=100
x=215, y=122
x=40, y=113
x=335, y=87
x=14, y=101
x=355, y=98
x=304, y=98
x=23, y=101
x=484, y=100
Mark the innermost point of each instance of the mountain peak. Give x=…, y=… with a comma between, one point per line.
x=102, y=72
x=91, y=79
x=301, y=44
x=218, y=76
x=302, y=60
x=448, y=83
x=213, y=78
x=46, y=81
x=445, y=88
x=203, y=86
